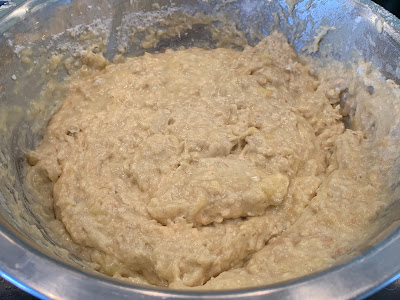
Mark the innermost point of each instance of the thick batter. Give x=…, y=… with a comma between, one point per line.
x=191, y=165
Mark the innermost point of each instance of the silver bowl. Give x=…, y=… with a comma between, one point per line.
x=30, y=259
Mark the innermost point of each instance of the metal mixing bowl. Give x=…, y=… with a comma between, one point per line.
x=30, y=259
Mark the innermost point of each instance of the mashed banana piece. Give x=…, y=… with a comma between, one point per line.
x=191, y=165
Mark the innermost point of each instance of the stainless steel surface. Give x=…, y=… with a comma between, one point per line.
x=36, y=264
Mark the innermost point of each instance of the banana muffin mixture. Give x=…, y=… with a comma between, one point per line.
x=215, y=168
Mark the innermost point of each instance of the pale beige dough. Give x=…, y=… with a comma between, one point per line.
x=191, y=165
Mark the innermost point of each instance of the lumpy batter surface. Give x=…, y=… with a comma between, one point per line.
x=214, y=168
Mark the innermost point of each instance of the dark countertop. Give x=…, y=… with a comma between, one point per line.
x=391, y=292
x=10, y=292
x=391, y=5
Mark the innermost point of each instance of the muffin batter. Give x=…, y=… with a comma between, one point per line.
x=173, y=169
